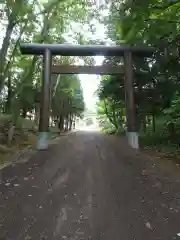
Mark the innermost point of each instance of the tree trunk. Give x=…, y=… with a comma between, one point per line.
x=171, y=129
x=144, y=124
x=153, y=123
x=61, y=123
x=114, y=116
x=4, y=49
x=7, y=67
x=6, y=42
x=10, y=134
x=70, y=122
x=24, y=112
x=37, y=113
x=28, y=72
x=67, y=124
x=52, y=121
x=8, y=102
x=16, y=110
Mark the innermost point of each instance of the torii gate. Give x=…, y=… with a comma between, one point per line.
x=47, y=50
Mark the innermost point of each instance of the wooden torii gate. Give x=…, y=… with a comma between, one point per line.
x=48, y=50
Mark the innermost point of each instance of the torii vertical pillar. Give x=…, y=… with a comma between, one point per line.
x=132, y=133
x=43, y=138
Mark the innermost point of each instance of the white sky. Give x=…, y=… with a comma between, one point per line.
x=90, y=84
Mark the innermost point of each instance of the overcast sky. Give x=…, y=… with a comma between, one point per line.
x=90, y=82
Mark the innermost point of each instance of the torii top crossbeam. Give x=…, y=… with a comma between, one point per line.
x=85, y=50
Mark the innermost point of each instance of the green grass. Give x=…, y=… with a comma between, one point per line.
x=160, y=140
x=110, y=129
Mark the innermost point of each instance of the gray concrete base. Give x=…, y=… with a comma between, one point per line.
x=42, y=141
x=133, y=139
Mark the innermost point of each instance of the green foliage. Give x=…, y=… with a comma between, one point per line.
x=65, y=101
x=160, y=140
x=20, y=123
x=173, y=112
x=109, y=129
x=20, y=76
x=156, y=79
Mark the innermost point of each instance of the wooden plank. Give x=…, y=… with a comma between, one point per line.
x=99, y=70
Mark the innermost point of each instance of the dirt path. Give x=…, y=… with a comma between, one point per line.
x=89, y=186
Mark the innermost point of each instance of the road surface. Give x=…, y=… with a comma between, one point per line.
x=89, y=186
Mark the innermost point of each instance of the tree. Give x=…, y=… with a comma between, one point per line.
x=65, y=103
x=20, y=76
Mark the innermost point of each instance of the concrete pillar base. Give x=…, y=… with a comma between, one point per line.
x=42, y=141
x=133, y=139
